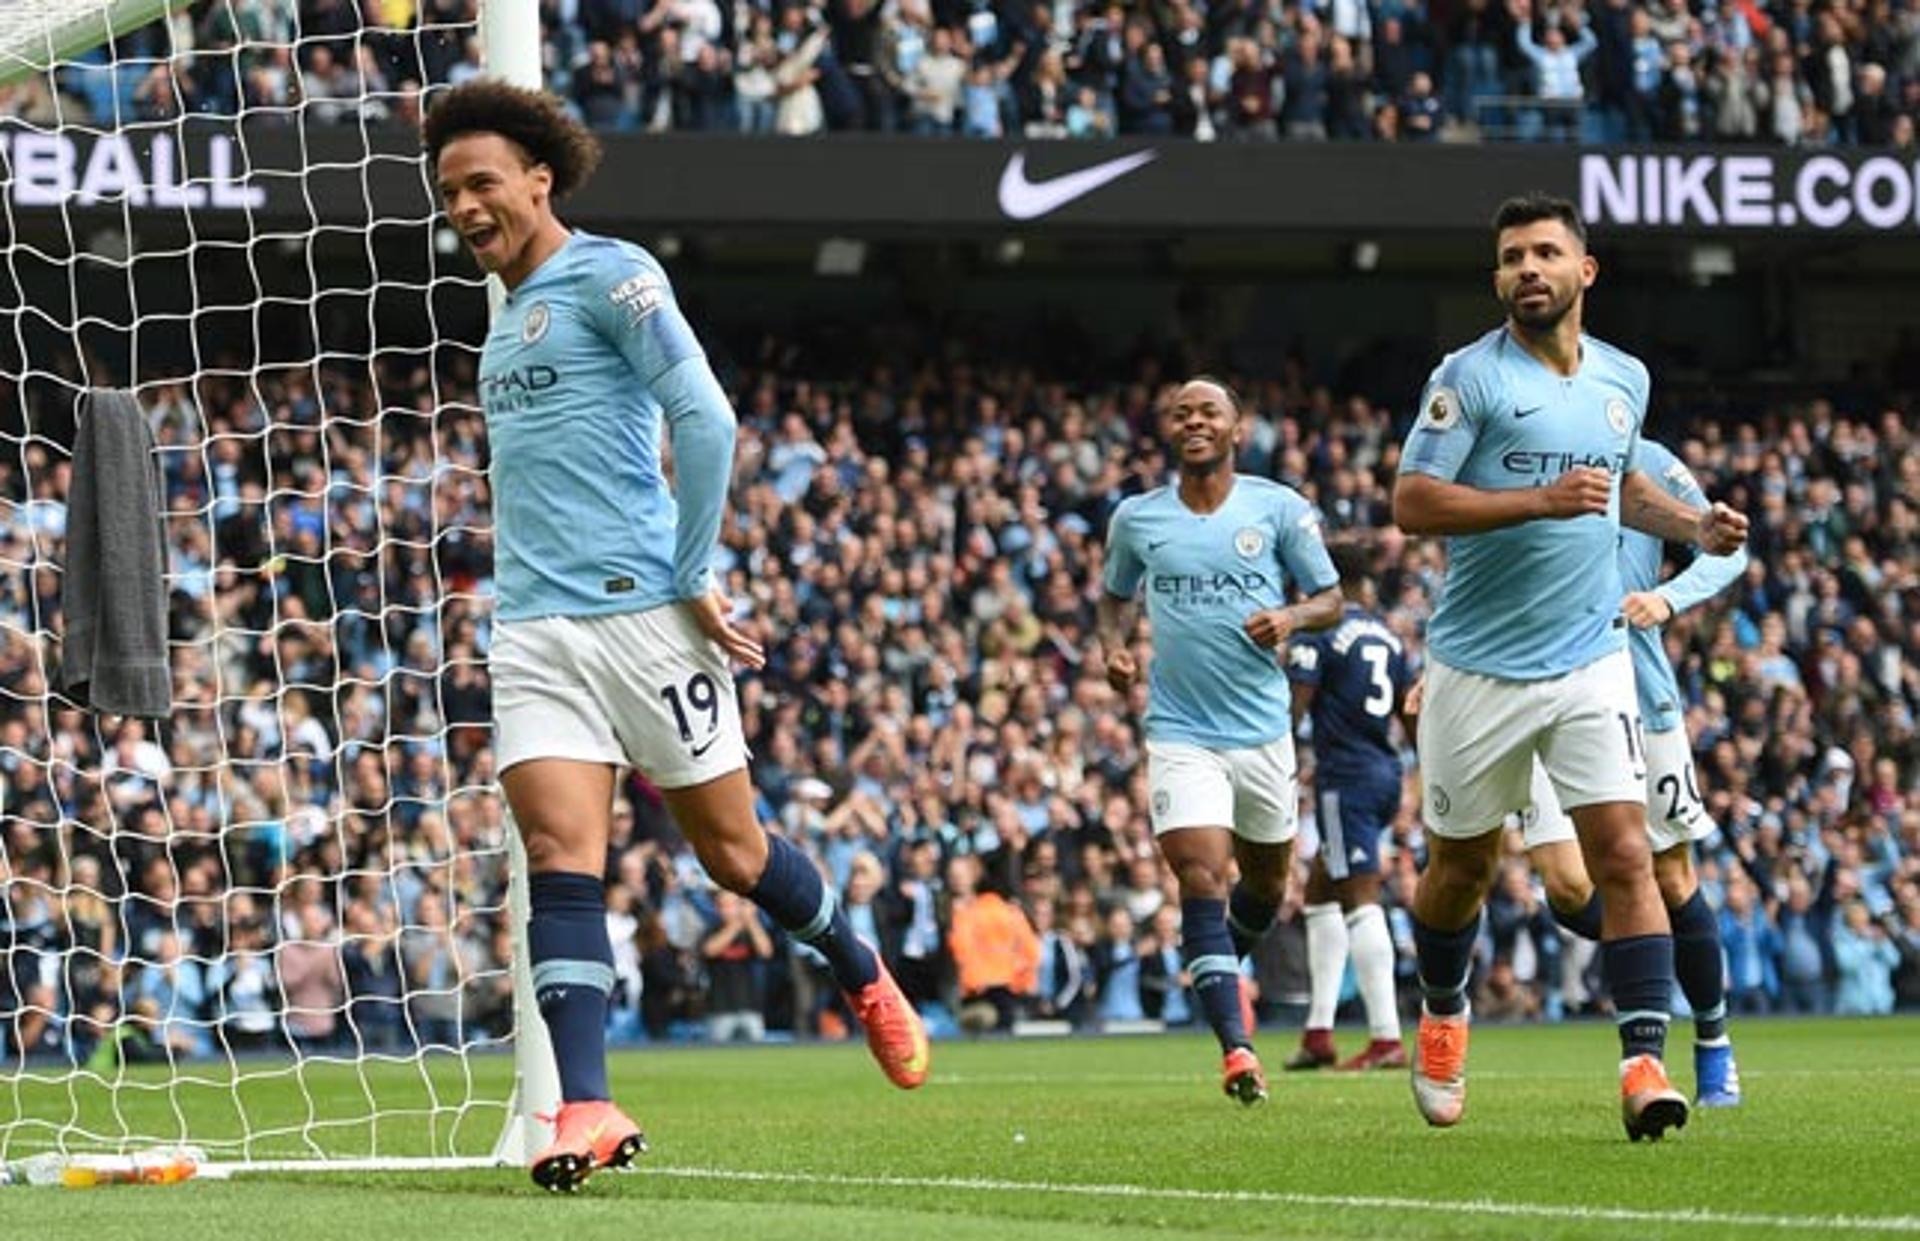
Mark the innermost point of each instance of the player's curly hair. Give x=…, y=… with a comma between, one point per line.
x=533, y=120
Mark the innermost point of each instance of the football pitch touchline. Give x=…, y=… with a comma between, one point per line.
x=1371, y=1202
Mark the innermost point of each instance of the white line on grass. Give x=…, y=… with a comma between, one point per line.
x=1077, y=1079
x=1174, y=1079
x=1476, y=1206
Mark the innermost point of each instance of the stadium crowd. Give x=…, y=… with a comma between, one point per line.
x=1792, y=72
x=309, y=852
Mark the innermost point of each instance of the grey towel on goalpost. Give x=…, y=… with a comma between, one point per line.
x=114, y=593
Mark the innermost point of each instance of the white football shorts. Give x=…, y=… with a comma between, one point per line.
x=636, y=689
x=1254, y=792
x=1479, y=736
x=1675, y=814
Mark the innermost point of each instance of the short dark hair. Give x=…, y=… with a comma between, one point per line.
x=1531, y=207
x=532, y=120
x=1352, y=559
x=1233, y=398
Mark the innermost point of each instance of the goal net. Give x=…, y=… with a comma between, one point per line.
x=276, y=924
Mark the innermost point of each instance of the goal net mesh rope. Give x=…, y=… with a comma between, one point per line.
x=273, y=925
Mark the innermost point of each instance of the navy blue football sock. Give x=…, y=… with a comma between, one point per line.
x=572, y=974
x=1639, y=974
x=792, y=891
x=1698, y=964
x=1207, y=948
x=1584, y=922
x=1248, y=919
x=1446, y=962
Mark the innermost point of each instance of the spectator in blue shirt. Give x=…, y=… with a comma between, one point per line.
x=1753, y=949
x=1864, y=961
x=1556, y=68
x=1803, y=966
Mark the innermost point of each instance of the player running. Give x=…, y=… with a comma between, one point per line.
x=1675, y=815
x=1352, y=680
x=611, y=645
x=1523, y=455
x=1217, y=555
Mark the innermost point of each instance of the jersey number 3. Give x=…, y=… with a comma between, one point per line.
x=1379, y=700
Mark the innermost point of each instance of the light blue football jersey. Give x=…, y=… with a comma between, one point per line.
x=1641, y=556
x=1203, y=575
x=1542, y=598
x=582, y=365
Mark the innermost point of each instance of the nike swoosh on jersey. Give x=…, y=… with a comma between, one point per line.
x=1022, y=199
x=702, y=749
x=1518, y=414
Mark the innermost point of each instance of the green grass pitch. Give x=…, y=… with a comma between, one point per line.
x=1082, y=1139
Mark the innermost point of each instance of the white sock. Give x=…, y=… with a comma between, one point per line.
x=1373, y=968
x=1326, y=962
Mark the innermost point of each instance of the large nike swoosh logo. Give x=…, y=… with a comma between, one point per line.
x=700, y=750
x=1028, y=200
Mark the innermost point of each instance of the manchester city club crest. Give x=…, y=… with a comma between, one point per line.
x=534, y=326
x=1617, y=416
x=1249, y=542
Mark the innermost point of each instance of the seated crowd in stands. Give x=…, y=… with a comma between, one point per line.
x=310, y=852
x=1789, y=72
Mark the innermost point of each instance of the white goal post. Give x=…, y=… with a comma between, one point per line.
x=313, y=806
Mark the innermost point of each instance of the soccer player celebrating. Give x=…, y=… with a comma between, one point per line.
x=611, y=645
x=1217, y=554
x=1523, y=455
x=1675, y=816
x=1352, y=680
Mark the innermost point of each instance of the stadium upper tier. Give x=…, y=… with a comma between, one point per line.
x=1784, y=73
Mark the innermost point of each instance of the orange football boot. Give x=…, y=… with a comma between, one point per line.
x=895, y=1034
x=587, y=1136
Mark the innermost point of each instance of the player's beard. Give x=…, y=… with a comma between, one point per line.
x=1540, y=319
